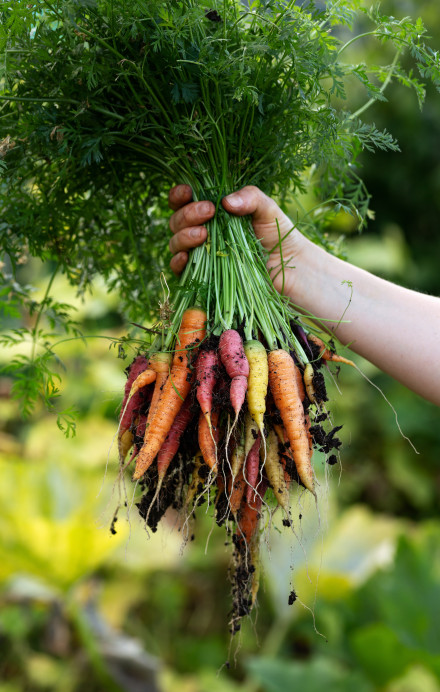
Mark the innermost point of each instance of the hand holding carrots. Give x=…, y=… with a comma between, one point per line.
x=268, y=220
x=389, y=325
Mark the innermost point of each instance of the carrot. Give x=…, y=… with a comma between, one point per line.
x=286, y=454
x=206, y=374
x=326, y=354
x=160, y=362
x=238, y=456
x=257, y=381
x=236, y=365
x=249, y=513
x=130, y=405
x=138, y=434
x=142, y=380
x=308, y=382
x=197, y=480
x=138, y=365
x=250, y=433
x=171, y=445
x=237, y=486
x=252, y=468
x=275, y=472
x=300, y=383
x=284, y=388
x=176, y=389
x=208, y=439
x=125, y=443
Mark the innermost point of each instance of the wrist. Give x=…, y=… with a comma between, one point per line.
x=296, y=250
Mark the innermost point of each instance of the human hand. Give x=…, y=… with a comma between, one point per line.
x=268, y=221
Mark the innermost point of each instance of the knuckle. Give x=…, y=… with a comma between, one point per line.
x=186, y=213
x=171, y=245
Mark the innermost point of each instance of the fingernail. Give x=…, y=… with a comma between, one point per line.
x=195, y=232
x=204, y=208
x=235, y=200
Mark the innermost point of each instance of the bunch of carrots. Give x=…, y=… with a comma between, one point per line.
x=223, y=419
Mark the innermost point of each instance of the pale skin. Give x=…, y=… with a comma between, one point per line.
x=393, y=327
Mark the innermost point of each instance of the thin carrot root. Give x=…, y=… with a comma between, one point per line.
x=327, y=354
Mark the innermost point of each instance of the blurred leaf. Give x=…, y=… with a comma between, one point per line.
x=15, y=622
x=48, y=524
x=416, y=679
x=407, y=598
x=206, y=680
x=316, y=675
x=380, y=653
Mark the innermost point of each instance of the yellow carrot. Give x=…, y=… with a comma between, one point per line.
x=275, y=472
x=308, y=382
x=257, y=381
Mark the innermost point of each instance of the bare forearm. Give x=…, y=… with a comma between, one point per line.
x=393, y=327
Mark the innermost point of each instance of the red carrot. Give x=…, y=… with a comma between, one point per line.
x=249, y=513
x=172, y=441
x=236, y=364
x=206, y=374
x=208, y=440
x=252, y=469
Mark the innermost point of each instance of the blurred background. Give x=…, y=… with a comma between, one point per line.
x=82, y=609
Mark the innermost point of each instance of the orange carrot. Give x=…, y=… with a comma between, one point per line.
x=300, y=384
x=326, y=354
x=208, y=439
x=284, y=388
x=142, y=380
x=176, y=389
x=160, y=363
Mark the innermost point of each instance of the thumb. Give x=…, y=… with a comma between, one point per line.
x=251, y=200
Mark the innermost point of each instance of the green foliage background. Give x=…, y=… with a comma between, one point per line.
x=69, y=589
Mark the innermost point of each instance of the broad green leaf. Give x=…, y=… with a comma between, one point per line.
x=275, y=675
